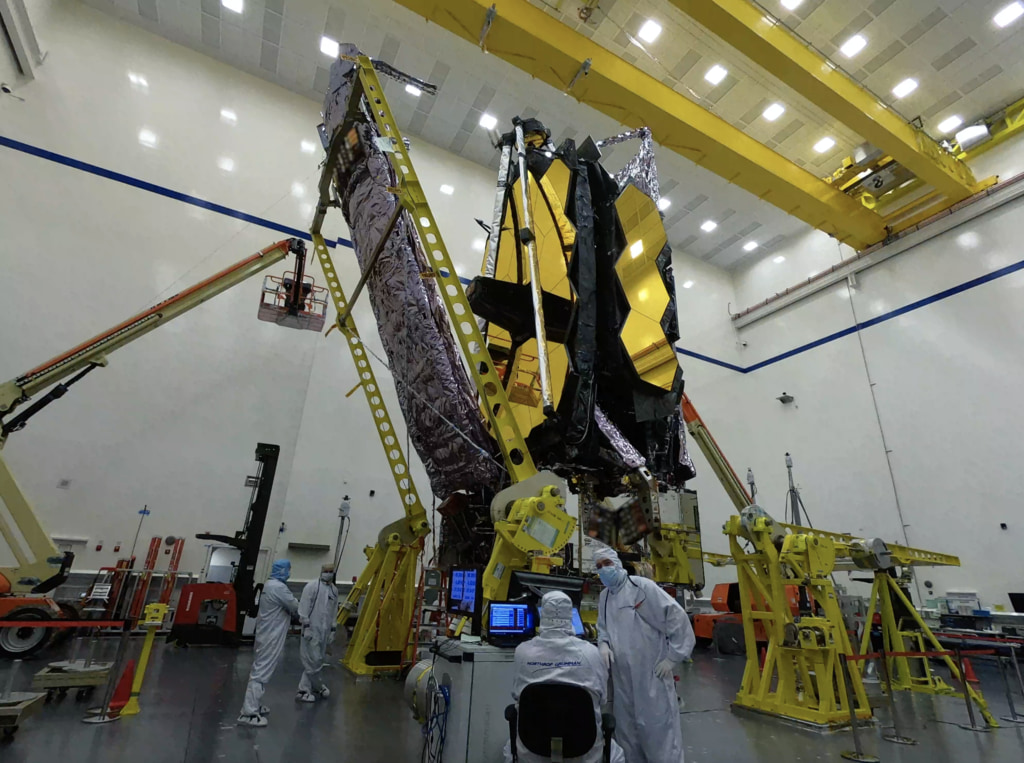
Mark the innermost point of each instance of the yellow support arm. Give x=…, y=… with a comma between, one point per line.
x=772, y=46
x=545, y=48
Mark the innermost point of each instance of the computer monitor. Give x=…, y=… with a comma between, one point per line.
x=1017, y=601
x=465, y=591
x=531, y=586
x=509, y=619
x=577, y=622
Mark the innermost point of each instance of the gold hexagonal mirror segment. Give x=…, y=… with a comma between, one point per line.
x=652, y=354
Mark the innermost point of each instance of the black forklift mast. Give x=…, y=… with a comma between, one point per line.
x=248, y=539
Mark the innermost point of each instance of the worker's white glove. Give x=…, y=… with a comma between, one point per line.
x=607, y=655
x=664, y=668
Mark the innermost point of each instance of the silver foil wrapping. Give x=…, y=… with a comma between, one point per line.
x=641, y=169
x=437, y=398
x=629, y=454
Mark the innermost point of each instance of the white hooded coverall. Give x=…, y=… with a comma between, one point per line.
x=556, y=655
x=277, y=605
x=318, y=612
x=643, y=625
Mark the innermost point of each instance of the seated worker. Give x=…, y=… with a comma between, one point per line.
x=556, y=655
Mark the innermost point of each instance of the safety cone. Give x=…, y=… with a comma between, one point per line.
x=123, y=692
x=969, y=672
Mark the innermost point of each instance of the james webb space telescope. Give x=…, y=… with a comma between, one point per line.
x=610, y=422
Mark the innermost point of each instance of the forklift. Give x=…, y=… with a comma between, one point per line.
x=214, y=613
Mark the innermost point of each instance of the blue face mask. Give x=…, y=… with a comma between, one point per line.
x=611, y=576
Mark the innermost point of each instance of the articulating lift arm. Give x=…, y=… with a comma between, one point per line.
x=39, y=566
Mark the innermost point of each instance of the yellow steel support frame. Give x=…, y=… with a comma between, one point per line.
x=504, y=427
x=387, y=585
x=775, y=48
x=802, y=677
x=896, y=637
x=532, y=40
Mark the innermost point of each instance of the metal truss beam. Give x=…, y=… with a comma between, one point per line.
x=772, y=46
x=547, y=49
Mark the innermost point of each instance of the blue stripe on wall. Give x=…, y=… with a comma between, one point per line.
x=160, y=190
x=169, y=193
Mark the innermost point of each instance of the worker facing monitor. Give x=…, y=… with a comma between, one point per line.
x=557, y=656
x=643, y=634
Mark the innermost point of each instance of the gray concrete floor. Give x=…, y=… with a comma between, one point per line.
x=191, y=700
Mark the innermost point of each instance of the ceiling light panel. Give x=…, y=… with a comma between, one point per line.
x=853, y=46
x=649, y=31
x=750, y=246
x=950, y=124
x=773, y=112
x=792, y=5
x=488, y=121
x=413, y=90
x=664, y=203
x=716, y=74
x=1009, y=14
x=233, y=5
x=708, y=225
x=824, y=145
x=329, y=47
x=905, y=88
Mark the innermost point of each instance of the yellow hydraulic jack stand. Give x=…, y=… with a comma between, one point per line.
x=154, y=617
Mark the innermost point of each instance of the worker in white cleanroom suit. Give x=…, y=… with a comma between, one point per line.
x=556, y=655
x=318, y=613
x=277, y=607
x=643, y=634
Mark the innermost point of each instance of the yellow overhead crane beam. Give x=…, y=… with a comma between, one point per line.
x=773, y=47
x=547, y=49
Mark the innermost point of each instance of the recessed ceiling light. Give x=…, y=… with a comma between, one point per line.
x=664, y=203
x=227, y=164
x=147, y=138
x=227, y=115
x=298, y=190
x=824, y=145
x=447, y=190
x=778, y=259
x=708, y=225
x=750, y=246
x=307, y=146
x=478, y=244
x=1009, y=14
x=792, y=5
x=950, y=124
x=649, y=31
x=233, y=5
x=137, y=79
x=716, y=74
x=687, y=284
x=413, y=90
x=488, y=122
x=905, y=88
x=329, y=47
x=972, y=135
x=853, y=46
x=773, y=112
x=637, y=248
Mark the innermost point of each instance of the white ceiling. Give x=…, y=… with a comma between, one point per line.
x=965, y=65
